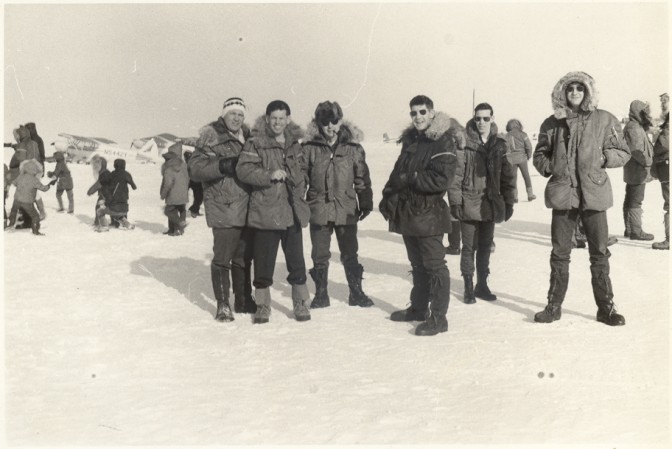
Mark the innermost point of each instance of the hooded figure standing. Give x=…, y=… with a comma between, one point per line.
x=213, y=164
x=117, y=204
x=102, y=187
x=273, y=164
x=32, y=130
x=339, y=195
x=661, y=168
x=413, y=203
x=62, y=173
x=576, y=146
x=175, y=189
x=520, y=151
x=27, y=185
x=637, y=171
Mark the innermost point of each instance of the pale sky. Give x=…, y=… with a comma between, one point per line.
x=124, y=71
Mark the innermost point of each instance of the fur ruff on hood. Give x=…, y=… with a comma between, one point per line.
x=441, y=124
x=472, y=131
x=261, y=130
x=208, y=136
x=559, y=96
x=640, y=112
x=349, y=133
x=30, y=167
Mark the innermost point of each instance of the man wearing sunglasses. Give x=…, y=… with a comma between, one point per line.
x=413, y=203
x=339, y=195
x=576, y=145
x=481, y=195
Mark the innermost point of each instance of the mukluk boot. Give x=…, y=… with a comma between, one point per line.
x=469, y=297
x=241, y=284
x=321, y=298
x=300, y=298
x=556, y=295
x=436, y=321
x=220, y=286
x=603, y=294
x=262, y=297
x=482, y=290
x=357, y=296
x=417, y=311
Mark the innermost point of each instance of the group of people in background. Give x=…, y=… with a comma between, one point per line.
x=261, y=186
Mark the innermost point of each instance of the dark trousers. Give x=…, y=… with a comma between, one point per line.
x=634, y=196
x=28, y=210
x=176, y=213
x=665, y=186
x=524, y=172
x=232, y=247
x=477, y=237
x=320, y=238
x=426, y=253
x=596, y=230
x=266, y=252
x=71, y=200
x=431, y=278
x=197, y=190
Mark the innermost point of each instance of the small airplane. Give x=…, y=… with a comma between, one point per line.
x=150, y=149
x=81, y=149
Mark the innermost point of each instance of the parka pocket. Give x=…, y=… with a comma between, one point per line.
x=598, y=177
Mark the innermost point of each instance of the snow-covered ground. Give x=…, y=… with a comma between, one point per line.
x=110, y=340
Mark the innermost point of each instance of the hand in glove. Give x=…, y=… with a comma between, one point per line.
x=456, y=212
x=228, y=166
x=53, y=182
x=50, y=174
x=508, y=212
x=364, y=213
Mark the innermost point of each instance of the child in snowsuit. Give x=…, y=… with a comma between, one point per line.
x=175, y=189
x=27, y=185
x=62, y=173
x=117, y=204
x=102, y=186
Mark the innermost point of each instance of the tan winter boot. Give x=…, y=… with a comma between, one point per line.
x=300, y=299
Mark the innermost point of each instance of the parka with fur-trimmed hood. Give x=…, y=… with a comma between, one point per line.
x=24, y=141
x=484, y=183
x=413, y=198
x=27, y=184
x=35, y=137
x=575, y=149
x=225, y=197
x=175, y=183
x=102, y=175
x=638, y=168
x=274, y=205
x=62, y=172
x=339, y=183
x=519, y=146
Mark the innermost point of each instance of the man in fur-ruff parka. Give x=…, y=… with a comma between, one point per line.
x=213, y=164
x=413, y=203
x=339, y=195
x=576, y=145
x=273, y=165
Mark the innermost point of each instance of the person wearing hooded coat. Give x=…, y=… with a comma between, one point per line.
x=273, y=164
x=339, y=195
x=414, y=206
x=102, y=187
x=482, y=194
x=62, y=173
x=35, y=137
x=213, y=164
x=661, y=168
x=576, y=146
x=117, y=204
x=175, y=189
x=519, y=152
x=637, y=171
x=27, y=185
x=24, y=141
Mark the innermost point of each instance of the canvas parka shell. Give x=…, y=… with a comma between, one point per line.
x=338, y=178
x=225, y=197
x=25, y=142
x=32, y=130
x=519, y=146
x=15, y=162
x=428, y=160
x=120, y=179
x=484, y=181
x=638, y=168
x=274, y=205
x=661, y=152
x=175, y=184
x=62, y=172
x=27, y=183
x=102, y=184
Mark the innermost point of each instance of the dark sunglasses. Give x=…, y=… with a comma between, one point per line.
x=326, y=121
x=485, y=119
x=577, y=87
x=421, y=112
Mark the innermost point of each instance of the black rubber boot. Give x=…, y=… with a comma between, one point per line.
x=419, y=298
x=482, y=290
x=626, y=221
x=603, y=293
x=556, y=295
x=320, y=277
x=469, y=297
x=220, y=285
x=357, y=296
x=439, y=295
x=241, y=284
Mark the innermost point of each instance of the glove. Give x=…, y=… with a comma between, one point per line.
x=52, y=183
x=364, y=213
x=50, y=174
x=398, y=181
x=228, y=166
x=508, y=212
x=456, y=211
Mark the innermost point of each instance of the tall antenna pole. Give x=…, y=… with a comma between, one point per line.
x=473, y=100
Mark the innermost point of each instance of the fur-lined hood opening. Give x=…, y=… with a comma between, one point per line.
x=473, y=133
x=30, y=167
x=293, y=132
x=98, y=164
x=559, y=96
x=59, y=156
x=349, y=133
x=209, y=136
x=641, y=113
x=441, y=124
